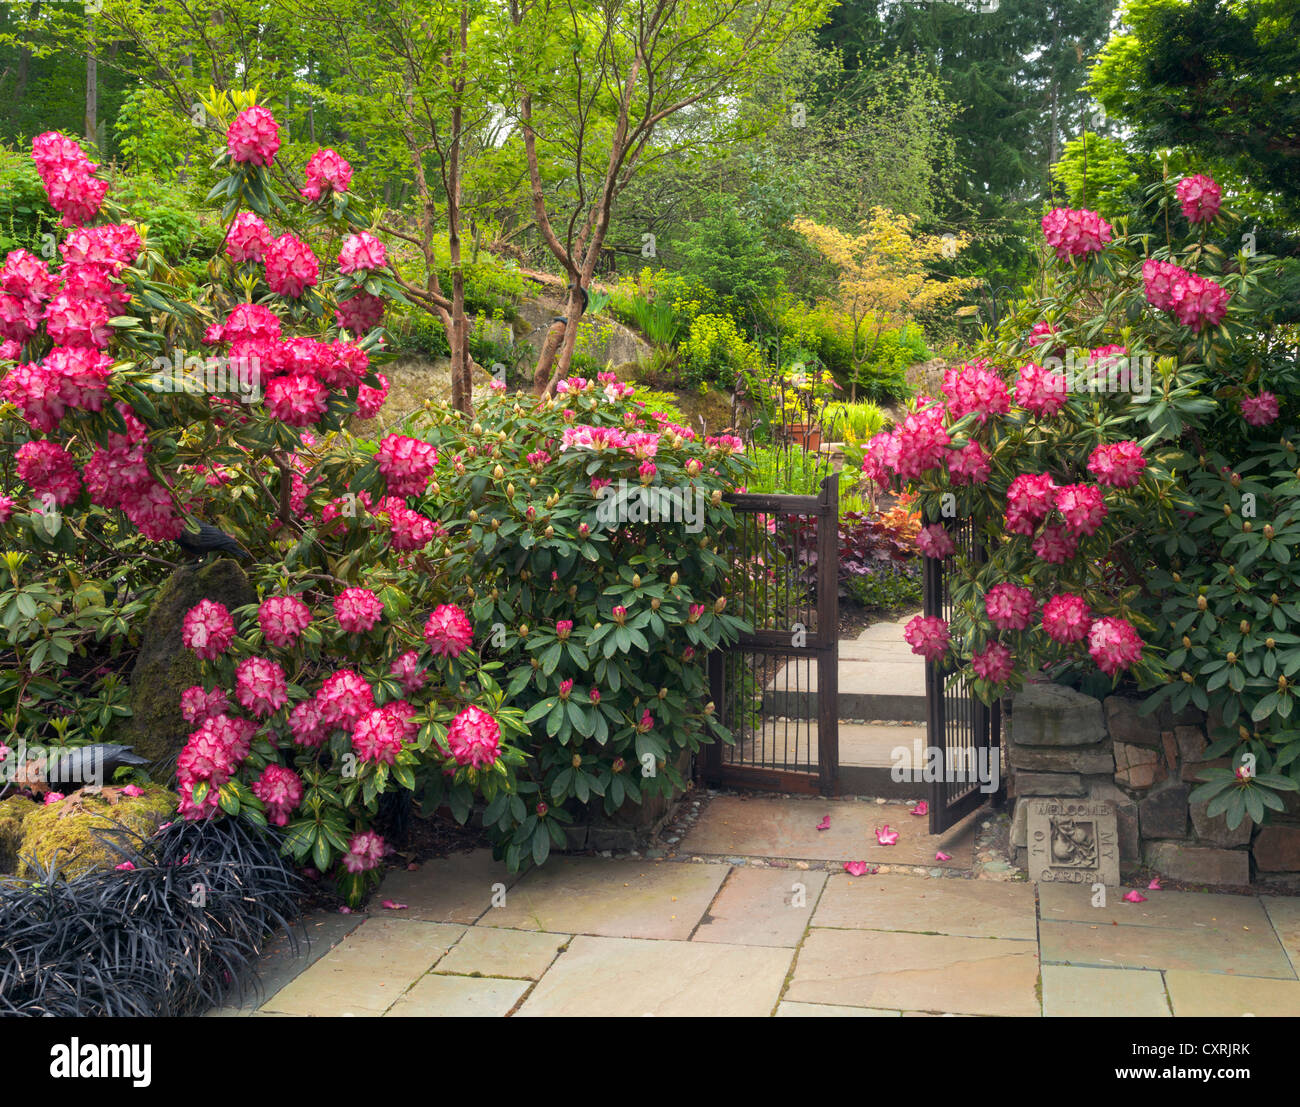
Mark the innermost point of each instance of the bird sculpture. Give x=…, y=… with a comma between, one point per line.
x=87, y=766
x=207, y=540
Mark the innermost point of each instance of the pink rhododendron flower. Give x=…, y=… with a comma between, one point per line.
x=407, y=464
x=928, y=636
x=1029, y=499
x=254, y=137
x=407, y=670
x=297, y=400
x=969, y=465
x=1134, y=897
x=291, y=267
x=72, y=322
x=975, y=389
x=1114, y=644
x=935, y=541
x=132, y=790
x=247, y=238
x=1154, y=886
x=1074, y=233
x=880, y=458
x=260, y=685
x=1082, y=506
x=941, y=856
x=359, y=313
x=1041, y=332
x=993, y=663
x=307, y=724
x=207, y=629
x=326, y=169
x=362, y=252
x=54, y=797
x=408, y=530
x=197, y=704
x=68, y=177
x=343, y=699
x=858, y=868
x=922, y=808
x=282, y=619
x=448, y=631
x=474, y=738
x=280, y=790
x=1041, y=391
x=28, y=277
x=393, y=905
x=1118, y=464
x=365, y=852
x=378, y=736
x=1009, y=606
x=1056, y=544
x=1200, y=197
x=1066, y=618
x=1193, y=300
x=1260, y=410
x=886, y=836
x=370, y=400
x=357, y=609
x=825, y=824
x=922, y=442
x=125, y=866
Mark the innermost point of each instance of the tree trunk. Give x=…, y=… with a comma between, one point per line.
x=92, y=83
x=462, y=392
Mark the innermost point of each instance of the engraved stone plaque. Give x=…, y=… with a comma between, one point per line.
x=1073, y=841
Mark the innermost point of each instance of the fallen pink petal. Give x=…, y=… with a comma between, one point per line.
x=825, y=824
x=133, y=790
x=1135, y=897
x=125, y=866
x=921, y=808
x=391, y=906
x=856, y=868
x=885, y=836
x=941, y=856
x=1154, y=886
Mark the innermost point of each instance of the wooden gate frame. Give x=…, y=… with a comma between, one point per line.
x=822, y=646
x=946, y=729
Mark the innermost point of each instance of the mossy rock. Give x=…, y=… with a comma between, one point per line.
x=12, y=813
x=76, y=837
x=164, y=667
x=713, y=406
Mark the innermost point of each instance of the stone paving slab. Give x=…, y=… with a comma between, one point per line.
x=830, y=1011
x=969, y=908
x=1202, y=994
x=1240, y=952
x=880, y=746
x=613, y=899
x=631, y=977
x=1166, y=909
x=1284, y=913
x=453, y=889
x=435, y=996
x=787, y=827
x=916, y=972
x=1072, y=992
x=368, y=971
x=757, y=907
x=490, y=951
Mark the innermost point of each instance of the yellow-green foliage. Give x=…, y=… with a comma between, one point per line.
x=46, y=830
x=12, y=812
x=715, y=350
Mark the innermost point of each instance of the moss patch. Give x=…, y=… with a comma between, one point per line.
x=76, y=837
x=12, y=813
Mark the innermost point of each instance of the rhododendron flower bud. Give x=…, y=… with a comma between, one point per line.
x=406, y=464
x=1200, y=197
x=448, y=631
x=247, y=238
x=365, y=852
x=928, y=636
x=1009, y=606
x=619, y=613
x=1118, y=464
x=280, y=790
x=357, y=609
x=993, y=663
x=1066, y=618
x=1260, y=410
x=326, y=169
x=207, y=629
x=362, y=252
x=1073, y=233
x=291, y=267
x=198, y=704
x=935, y=541
x=566, y=686
x=563, y=628
x=1082, y=506
x=407, y=670
x=1114, y=644
x=254, y=137
x=474, y=738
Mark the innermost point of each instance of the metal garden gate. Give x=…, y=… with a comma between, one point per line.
x=776, y=688
x=964, y=731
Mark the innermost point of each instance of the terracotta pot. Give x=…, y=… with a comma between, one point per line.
x=809, y=437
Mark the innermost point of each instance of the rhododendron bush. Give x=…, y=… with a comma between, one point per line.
x=1067, y=440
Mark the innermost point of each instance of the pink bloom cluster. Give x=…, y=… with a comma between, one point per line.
x=935, y=541
x=260, y=685
x=969, y=465
x=326, y=169
x=1192, y=299
x=408, y=530
x=357, y=609
x=207, y=629
x=380, y=733
x=69, y=178
x=1114, y=644
x=282, y=619
x=291, y=267
x=1066, y=618
x=359, y=313
x=280, y=790
x=1009, y=606
x=1073, y=233
x=254, y=137
x=975, y=389
x=993, y=663
x=197, y=704
x=1041, y=332
x=1200, y=197
x=407, y=670
x=1040, y=391
x=614, y=389
x=448, y=631
x=69, y=377
x=1260, y=410
x=50, y=471
x=474, y=738
x=1082, y=506
x=1030, y=497
x=928, y=636
x=406, y=464
x=362, y=252
x=247, y=239
x=1118, y=464
x=365, y=851
x=607, y=438
x=210, y=757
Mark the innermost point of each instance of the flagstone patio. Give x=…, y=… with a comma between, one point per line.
x=731, y=926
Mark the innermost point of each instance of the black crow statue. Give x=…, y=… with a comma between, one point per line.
x=207, y=540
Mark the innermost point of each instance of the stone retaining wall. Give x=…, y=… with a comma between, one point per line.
x=1061, y=743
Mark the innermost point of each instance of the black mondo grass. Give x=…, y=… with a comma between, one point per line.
x=176, y=935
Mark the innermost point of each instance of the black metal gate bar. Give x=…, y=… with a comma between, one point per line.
x=964, y=730
x=787, y=550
